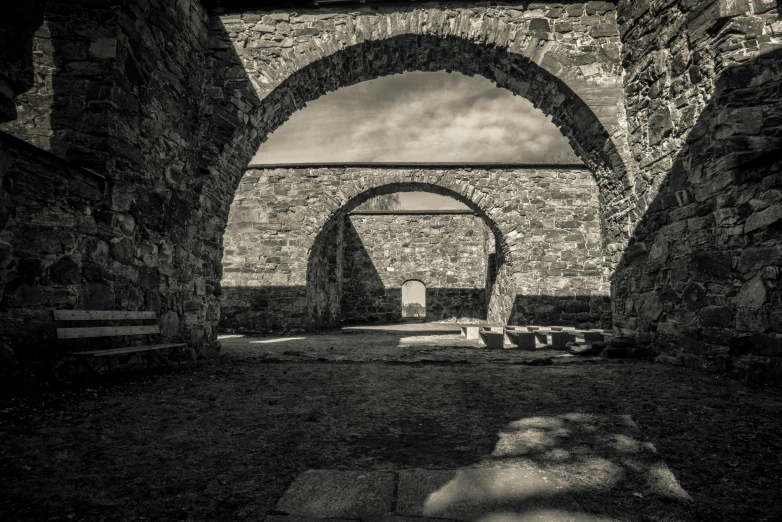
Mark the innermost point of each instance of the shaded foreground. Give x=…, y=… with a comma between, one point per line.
x=224, y=439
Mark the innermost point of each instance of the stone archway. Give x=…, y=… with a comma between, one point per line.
x=267, y=66
x=323, y=289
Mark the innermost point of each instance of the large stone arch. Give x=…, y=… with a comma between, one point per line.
x=269, y=65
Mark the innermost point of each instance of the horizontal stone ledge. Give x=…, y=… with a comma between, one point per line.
x=410, y=212
x=239, y=7
x=422, y=165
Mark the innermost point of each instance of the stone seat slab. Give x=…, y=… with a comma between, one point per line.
x=336, y=494
x=493, y=340
x=522, y=339
x=556, y=340
x=586, y=336
x=471, y=331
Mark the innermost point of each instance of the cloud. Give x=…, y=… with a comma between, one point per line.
x=418, y=117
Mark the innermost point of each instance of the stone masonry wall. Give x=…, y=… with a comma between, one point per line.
x=449, y=253
x=124, y=85
x=545, y=221
x=59, y=250
x=704, y=102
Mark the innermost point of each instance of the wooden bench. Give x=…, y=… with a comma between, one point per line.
x=86, y=332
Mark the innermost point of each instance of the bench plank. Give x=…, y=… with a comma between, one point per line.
x=101, y=315
x=128, y=349
x=106, y=331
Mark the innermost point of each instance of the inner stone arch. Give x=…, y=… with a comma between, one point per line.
x=324, y=287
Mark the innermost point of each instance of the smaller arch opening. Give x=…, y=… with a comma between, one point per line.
x=413, y=299
x=383, y=249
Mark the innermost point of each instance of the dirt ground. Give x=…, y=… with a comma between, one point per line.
x=222, y=439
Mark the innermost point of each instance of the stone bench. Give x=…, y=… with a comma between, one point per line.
x=493, y=337
x=586, y=336
x=523, y=339
x=471, y=331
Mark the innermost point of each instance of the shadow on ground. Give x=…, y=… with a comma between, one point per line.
x=224, y=439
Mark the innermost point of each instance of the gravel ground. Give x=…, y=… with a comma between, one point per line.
x=223, y=439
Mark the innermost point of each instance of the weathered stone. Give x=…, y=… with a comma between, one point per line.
x=104, y=48
x=693, y=296
x=650, y=309
x=763, y=218
x=96, y=296
x=719, y=316
x=65, y=271
x=679, y=94
x=753, y=294
x=450, y=254
x=473, y=494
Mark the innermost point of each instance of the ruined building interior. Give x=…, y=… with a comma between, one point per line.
x=321, y=369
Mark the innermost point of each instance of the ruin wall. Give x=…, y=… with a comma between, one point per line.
x=449, y=253
x=281, y=259
x=699, y=281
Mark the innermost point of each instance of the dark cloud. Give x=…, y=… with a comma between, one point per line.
x=419, y=117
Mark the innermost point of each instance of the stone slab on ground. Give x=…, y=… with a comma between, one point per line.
x=475, y=493
x=339, y=494
x=465, y=495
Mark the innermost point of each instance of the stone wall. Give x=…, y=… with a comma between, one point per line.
x=545, y=221
x=699, y=279
x=59, y=250
x=119, y=89
x=447, y=252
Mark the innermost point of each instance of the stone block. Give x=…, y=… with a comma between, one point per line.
x=555, y=340
x=524, y=340
x=493, y=340
x=585, y=336
x=471, y=332
x=753, y=294
x=764, y=218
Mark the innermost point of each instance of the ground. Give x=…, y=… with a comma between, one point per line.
x=224, y=439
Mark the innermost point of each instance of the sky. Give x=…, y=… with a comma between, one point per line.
x=418, y=117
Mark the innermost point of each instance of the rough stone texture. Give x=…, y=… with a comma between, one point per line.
x=571, y=72
x=283, y=245
x=339, y=494
x=448, y=253
x=704, y=102
x=118, y=90
x=61, y=247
